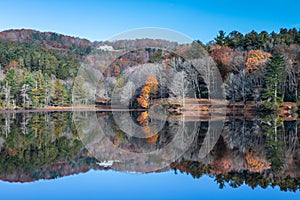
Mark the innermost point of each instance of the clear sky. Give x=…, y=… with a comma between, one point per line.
x=99, y=20
x=154, y=186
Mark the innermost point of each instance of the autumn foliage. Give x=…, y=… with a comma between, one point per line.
x=151, y=87
x=222, y=55
x=256, y=59
x=255, y=162
x=143, y=119
x=222, y=166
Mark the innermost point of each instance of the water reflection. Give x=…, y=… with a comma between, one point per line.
x=46, y=145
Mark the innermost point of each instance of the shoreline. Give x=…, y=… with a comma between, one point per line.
x=203, y=109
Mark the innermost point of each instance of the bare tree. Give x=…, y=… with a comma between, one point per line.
x=6, y=91
x=245, y=85
x=24, y=94
x=7, y=124
x=24, y=123
x=291, y=77
x=231, y=88
x=238, y=87
x=179, y=87
x=127, y=93
x=210, y=74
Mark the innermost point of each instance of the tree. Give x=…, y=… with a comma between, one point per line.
x=59, y=94
x=6, y=90
x=48, y=83
x=150, y=89
x=263, y=38
x=244, y=84
x=79, y=92
x=220, y=39
x=231, y=87
x=235, y=39
x=275, y=144
x=28, y=84
x=24, y=94
x=196, y=50
x=11, y=81
x=223, y=57
x=39, y=90
x=179, y=87
x=127, y=93
x=256, y=59
x=251, y=40
x=208, y=71
x=274, y=78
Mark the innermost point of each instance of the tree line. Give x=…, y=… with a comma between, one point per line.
x=32, y=76
x=254, y=40
x=259, y=67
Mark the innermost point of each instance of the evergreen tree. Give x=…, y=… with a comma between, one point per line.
x=252, y=40
x=59, y=94
x=49, y=85
x=220, y=39
x=10, y=86
x=235, y=39
x=39, y=90
x=79, y=93
x=274, y=78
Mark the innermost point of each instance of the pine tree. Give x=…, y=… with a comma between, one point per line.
x=79, y=92
x=48, y=86
x=59, y=94
x=10, y=85
x=11, y=80
x=39, y=90
x=274, y=78
x=220, y=39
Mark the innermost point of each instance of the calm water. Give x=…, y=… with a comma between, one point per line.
x=141, y=155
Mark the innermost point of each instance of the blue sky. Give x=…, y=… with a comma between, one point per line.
x=117, y=185
x=99, y=20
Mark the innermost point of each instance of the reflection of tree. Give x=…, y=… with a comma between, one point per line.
x=250, y=153
x=24, y=123
x=236, y=179
x=255, y=161
x=36, y=155
x=151, y=137
x=275, y=144
x=59, y=122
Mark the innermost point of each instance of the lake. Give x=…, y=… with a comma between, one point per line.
x=147, y=155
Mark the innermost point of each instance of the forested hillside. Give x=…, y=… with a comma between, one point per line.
x=37, y=69
x=259, y=66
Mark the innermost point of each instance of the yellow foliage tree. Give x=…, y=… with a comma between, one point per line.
x=256, y=59
x=256, y=162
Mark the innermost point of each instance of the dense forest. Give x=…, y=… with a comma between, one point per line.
x=38, y=69
x=259, y=66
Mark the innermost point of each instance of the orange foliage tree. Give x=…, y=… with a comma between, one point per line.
x=151, y=87
x=256, y=59
x=222, y=55
x=256, y=162
x=143, y=119
x=116, y=70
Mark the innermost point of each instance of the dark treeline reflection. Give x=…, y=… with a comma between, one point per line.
x=39, y=145
x=46, y=145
